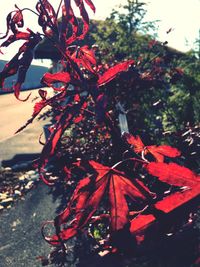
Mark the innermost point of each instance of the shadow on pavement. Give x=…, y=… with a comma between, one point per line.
x=20, y=159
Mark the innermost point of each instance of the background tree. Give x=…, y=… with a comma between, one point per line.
x=176, y=99
x=125, y=32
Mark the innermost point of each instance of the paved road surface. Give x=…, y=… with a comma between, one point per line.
x=20, y=237
x=13, y=114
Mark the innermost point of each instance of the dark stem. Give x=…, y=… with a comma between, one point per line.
x=58, y=9
x=28, y=9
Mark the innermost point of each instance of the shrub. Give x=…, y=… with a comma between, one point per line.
x=118, y=199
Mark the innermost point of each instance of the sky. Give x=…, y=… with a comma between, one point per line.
x=180, y=15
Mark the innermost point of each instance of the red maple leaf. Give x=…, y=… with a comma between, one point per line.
x=20, y=63
x=111, y=73
x=87, y=197
x=173, y=174
x=39, y=106
x=15, y=37
x=157, y=151
x=14, y=21
x=84, y=15
x=50, y=78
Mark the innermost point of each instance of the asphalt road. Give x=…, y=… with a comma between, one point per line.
x=14, y=114
x=21, y=241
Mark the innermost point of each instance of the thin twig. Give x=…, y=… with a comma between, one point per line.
x=58, y=9
x=28, y=9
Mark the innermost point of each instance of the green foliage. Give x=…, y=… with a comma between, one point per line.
x=124, y=33
x=184, y=102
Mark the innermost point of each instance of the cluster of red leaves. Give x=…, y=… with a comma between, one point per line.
x=47, y=19
x=80, y=72
x=22, y=60
x=119, y=190
x=71, y=109
x=85, y=57
x=20, y=63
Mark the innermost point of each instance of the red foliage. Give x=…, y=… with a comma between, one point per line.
x=78, y=119
x=89, y=194
x=20, y=63
x=15, y=37
x=47, y=17
x=50, y=78
x=173, y=174
x=85, y=57
x=14, y=21
x=159, y=152
x=118, y=189
x=38, y=107
x=111, y=73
